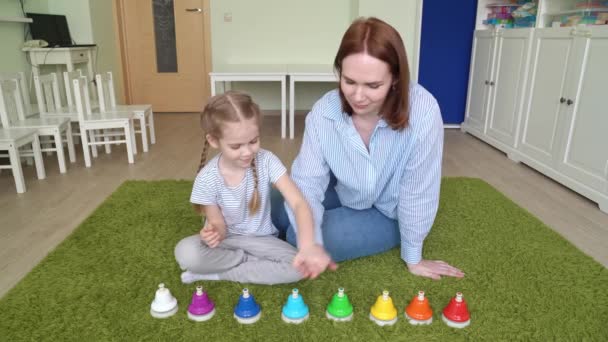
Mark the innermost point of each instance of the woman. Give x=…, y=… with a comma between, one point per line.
x=370, y=161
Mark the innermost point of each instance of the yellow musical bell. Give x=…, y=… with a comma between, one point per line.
x=384, y=312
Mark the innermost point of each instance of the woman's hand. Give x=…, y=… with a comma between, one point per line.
x=312, y=260
x=213, y=234
x=434, y=269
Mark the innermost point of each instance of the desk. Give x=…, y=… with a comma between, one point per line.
x=254, y=73
x=305, y=73
x=62, y=56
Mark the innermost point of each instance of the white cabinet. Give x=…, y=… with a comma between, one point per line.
x=550, y=52
x=585, y=152
x=541, y=96
x=479, y=80
x=497, y=84
x=565, y=121
x=508, y=85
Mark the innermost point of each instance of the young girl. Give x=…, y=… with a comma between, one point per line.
x=238, y=240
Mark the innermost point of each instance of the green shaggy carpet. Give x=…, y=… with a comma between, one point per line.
x=523, y=281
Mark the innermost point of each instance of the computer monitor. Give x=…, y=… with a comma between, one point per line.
x=52, y=28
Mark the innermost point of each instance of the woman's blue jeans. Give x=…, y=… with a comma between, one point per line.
x=347, y=233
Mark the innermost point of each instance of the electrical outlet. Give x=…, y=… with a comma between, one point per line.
x=228, y=17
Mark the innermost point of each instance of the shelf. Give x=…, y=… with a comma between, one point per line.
x=597, y=9
x=16, y=19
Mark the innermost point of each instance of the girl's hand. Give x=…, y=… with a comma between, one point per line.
x=213, y=234
x=434, y=269
x=312, y=260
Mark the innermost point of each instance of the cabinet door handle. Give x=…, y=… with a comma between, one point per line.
x=487, y=82
x=569, y=102
x=194, y=9
x=562, y=100
x=492, y=83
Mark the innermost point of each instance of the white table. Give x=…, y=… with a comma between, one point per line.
x=68, y=56
x=254, y=73
x=305, y=73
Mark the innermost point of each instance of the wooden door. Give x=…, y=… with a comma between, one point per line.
x=481, y=65
x=166, y=53
x=549, y=63
x=584, y=155
x=506, y=86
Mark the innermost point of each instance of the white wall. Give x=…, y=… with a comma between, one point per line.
x=103, y=24
x=282, y=32
x=405, y=16
x=299, y=32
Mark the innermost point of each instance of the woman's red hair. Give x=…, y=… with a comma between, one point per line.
x=378, y=39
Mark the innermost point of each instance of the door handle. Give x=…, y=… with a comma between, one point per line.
x=194, y=9
x=487, y=82
x=492, y=83
x=569, y=102
x=562, y=100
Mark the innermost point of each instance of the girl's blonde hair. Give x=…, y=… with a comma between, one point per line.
x=231, y=106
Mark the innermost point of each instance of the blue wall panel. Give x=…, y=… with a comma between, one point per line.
x=445, y=53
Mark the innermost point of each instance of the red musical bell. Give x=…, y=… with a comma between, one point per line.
x=456, y=314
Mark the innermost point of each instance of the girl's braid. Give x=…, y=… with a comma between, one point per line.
x=254, y=204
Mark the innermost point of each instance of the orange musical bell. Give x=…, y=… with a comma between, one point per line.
x=419, y=310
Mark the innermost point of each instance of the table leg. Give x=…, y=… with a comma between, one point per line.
x=35, y=69
x=62, y=93
x=292, y=106
x=90, y=68
x=283, y=108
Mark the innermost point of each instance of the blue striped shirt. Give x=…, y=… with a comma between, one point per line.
x=400, y=175
x=211, y=189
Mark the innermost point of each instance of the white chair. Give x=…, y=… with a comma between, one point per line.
x=13, y=139
x=30, y=109
x=49, y=103
x=49, y=98
x=107, y=103
x=68, y=78
x=12, y=116
x=90, y=122
x=20, y=78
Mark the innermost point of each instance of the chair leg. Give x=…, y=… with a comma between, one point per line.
x=44, y=142
x=106, y=138
x=59, y=149
x=92, y=139
x=151, y=124
x=70, y=142
x=144, y=131
x=133, y=141
x=40, y=171
x=129, y=139
x=75, y=133
x=13, y=153
x=85, y=147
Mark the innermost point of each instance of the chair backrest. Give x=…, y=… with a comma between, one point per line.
x=25, y=90
x=47, y=93
x=81, y=97
x=105, y=91
x=11, y=103
x=68, y=77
